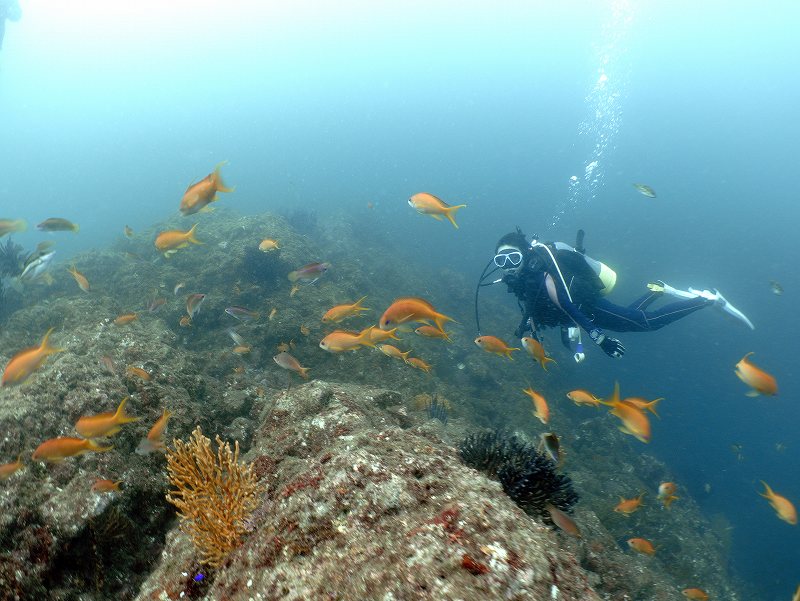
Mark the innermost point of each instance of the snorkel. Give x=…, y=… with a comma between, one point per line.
x=484, y=276
x=480, y=285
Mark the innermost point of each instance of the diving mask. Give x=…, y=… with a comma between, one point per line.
x=508, y=259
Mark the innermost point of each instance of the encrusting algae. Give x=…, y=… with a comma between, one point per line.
x=214, y=494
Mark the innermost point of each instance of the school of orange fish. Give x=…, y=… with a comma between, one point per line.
x=399, y=316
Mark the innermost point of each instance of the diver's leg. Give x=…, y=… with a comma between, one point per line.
x=626, y=319
x=617, y=318
x=644, y=301
x=675, y=311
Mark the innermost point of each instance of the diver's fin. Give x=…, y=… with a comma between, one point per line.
x=733, y=311
x=721, y=302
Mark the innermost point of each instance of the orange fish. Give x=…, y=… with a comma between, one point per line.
x=583, y=397
x=695, y=593
x=126, y=319
x=170, y=241
x=273, y=313
x=268, y=244
x=154, y=441
x=185, y=322
x=492, y=344
x=24, y=363
x=287, y=361
x=642, y=545
x=410, y=308
x=138, y=372
x=536, y=350
x=394, y=352
x=294, y=290
x=419, y=364
x=58, y=449
x=104, y=424
x=563, y=521
x=643, y=404
x=341, y=340
x=628, y=506
x=83, y=283
x=9, y=469
x=796, y=596
x=428, y=204
x=241, y=349
x=342, y=312
x=634, y=421
x=756, y=378
x=431, y=332
x=782, y=506
x=100, y=485
x=540, y=404
x=666, y=493
x=198, y=196
x=378, y=335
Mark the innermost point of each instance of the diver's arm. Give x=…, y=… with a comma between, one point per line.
x=611, y=346
x=568, y=306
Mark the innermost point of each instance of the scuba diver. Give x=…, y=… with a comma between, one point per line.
x=558, y=285
x=9, y=9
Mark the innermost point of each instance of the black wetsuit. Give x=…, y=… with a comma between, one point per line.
x=588, y=309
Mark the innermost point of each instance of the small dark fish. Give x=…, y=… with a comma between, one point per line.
x=57, y=224
x=237, y=339
x=551, y=445
x=563, y=521
x=241, y=313
x=308, y=274
x=645, y=189
x=156, y=304
x=775, y=287
x=193, y=302
x=128, y=232
x=108, y=363
x=287, y=361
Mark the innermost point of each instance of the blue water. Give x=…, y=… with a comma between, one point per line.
x=108, y=111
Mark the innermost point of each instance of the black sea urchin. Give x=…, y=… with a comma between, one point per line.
x=11, y=258
x=528, y=476
x=438, y=410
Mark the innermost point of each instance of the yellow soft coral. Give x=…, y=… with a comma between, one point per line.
x=214, y=494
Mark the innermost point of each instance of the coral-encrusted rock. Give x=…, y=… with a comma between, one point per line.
x=356, y=507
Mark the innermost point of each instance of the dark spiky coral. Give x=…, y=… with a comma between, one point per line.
x=11, y=258
x=488, y=451
x=438, y=410
x=528, y=476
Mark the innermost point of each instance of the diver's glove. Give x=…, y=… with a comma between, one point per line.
x=611, y=346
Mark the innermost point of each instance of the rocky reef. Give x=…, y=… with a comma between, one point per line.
x=363, y=494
